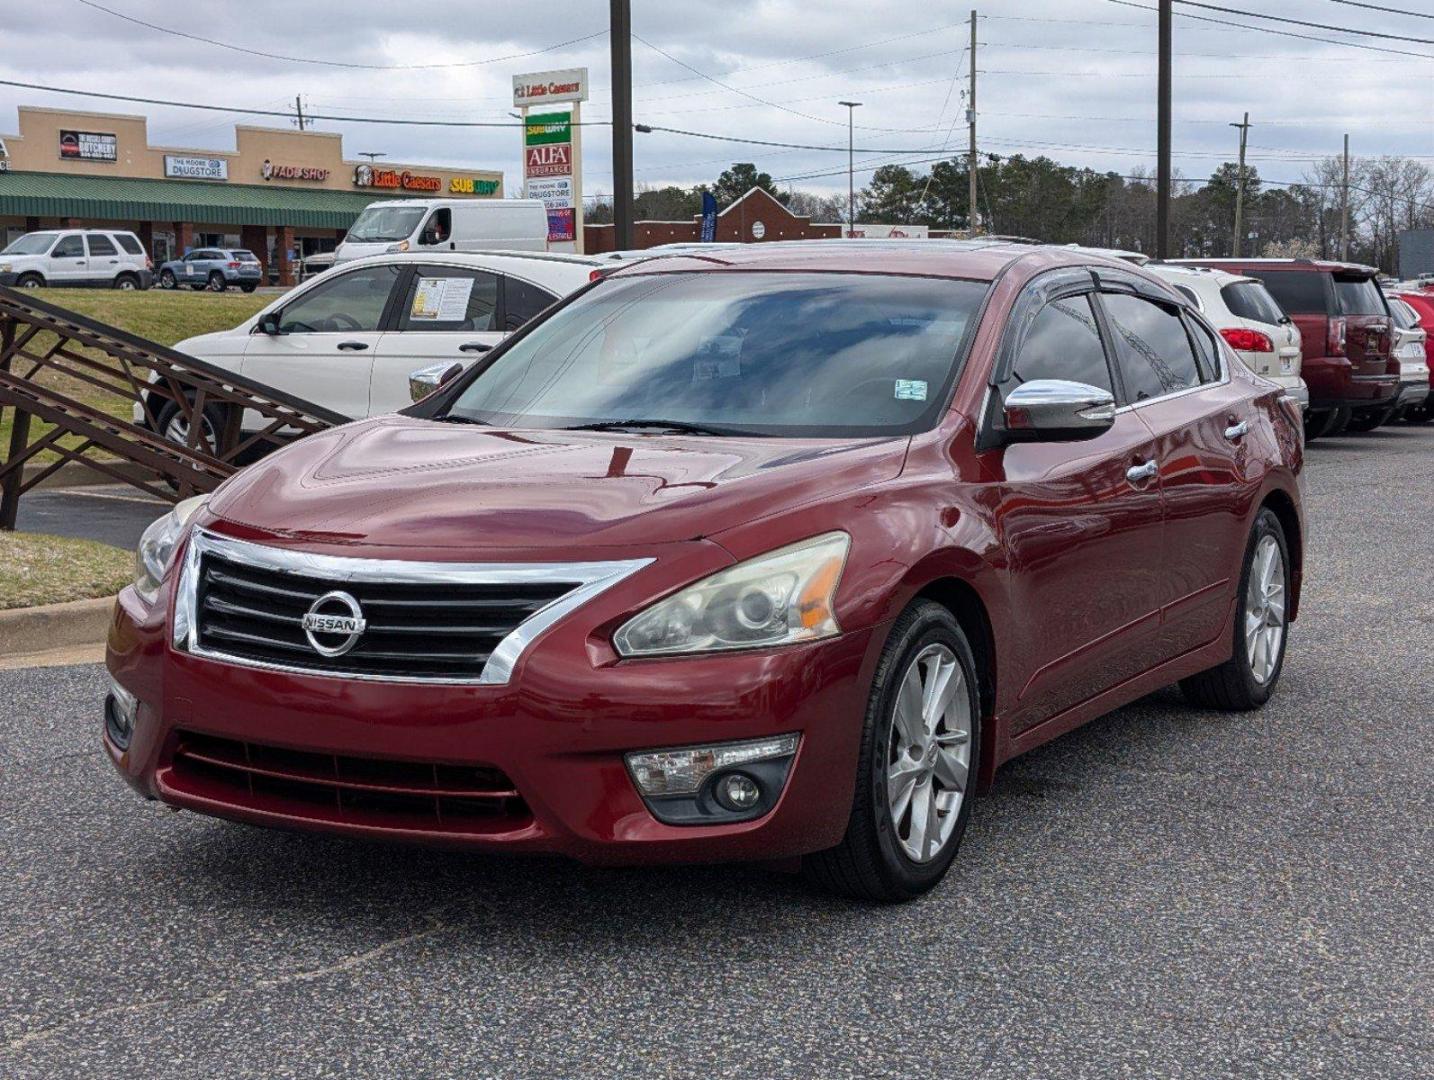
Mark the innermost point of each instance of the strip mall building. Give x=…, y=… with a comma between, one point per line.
x=282, y=194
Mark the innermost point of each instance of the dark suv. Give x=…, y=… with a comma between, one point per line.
x=1348, y=335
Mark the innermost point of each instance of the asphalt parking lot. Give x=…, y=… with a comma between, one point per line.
x=1164, y=893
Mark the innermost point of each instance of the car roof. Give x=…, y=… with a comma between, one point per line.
x=1321, y=265
x=1201, y=275
x=981, y=259
x=558, y=258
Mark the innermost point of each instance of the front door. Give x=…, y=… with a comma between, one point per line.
x=1080, y=524
x=447, y=314
x=1172, y=368
x=329, y=335
x=67, y=263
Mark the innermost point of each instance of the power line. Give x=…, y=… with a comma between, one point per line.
x=1281, y=33
x=1390, y=10
x=330, y=63
x=1306, y=23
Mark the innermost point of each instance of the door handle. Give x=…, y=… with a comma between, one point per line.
x=474, y=346
x=355, y=346
x=1237, y=431
x=1138, y=473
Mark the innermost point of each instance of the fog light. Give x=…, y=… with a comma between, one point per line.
x=121, y=708
x=737, y=791
x=682, y=772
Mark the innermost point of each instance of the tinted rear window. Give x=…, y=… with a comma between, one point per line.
x=1404, y=316
x=1251, y=300
x=248, y=256
x=1359, y=296
x=1300, y=292
x=132, y=244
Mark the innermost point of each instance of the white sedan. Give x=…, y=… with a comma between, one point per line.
x=349, y=339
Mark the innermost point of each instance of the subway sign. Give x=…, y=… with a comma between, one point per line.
x=471, y=185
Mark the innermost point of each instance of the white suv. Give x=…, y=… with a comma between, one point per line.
x=1248, y=318
x=96, y=258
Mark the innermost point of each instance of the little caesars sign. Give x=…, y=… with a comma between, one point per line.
x=552, y=146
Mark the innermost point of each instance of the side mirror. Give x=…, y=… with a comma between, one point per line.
x=1057, y=410
x=424, y=381
x=268, y=324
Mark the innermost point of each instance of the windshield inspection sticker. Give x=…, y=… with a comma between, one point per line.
x=441, y=299
x=910, y=389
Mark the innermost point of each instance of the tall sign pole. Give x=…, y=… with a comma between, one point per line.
x=971, y=121
x=620, y=36
x=851, y=107
x=1162, y=137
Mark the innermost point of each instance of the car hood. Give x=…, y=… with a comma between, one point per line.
x=396, y=481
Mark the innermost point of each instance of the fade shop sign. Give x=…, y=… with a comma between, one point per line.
x=548, y=170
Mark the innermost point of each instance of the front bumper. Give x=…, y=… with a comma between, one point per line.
x=9, y=278
x=558, y=731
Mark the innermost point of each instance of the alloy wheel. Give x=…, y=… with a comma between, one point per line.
x=928, y=756
x=177, y=431
x=1265, y=610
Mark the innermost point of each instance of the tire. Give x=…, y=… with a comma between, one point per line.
x=173, y=427
x=1318, y=423
x=30, y=281
x=166, y=280
x=216, y=282
x=127, y=283
x=1242, y=682
x=1339, y=420
x=248, y=288
x=1418, y=414
x=874, y=861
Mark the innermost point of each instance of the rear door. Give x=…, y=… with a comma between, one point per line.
x=330, y=333
x=104, y=258
x=1081, y=522
x=446, y=314
x=1173, y=370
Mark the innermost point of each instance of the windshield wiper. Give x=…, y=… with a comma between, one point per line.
x=454, y=418
x=680, y=426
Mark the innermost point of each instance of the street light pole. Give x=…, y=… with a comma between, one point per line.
x=620, y=34
x=1162, y=136
x=851, y=107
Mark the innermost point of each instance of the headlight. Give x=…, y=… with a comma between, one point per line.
x=156, y=547
x=5, y=268
x=779, y=598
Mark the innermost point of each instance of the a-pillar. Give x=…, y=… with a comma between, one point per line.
x=183, y=238
x=283, y=245
x=255, y=238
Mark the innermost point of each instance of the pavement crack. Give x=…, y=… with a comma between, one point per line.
x=435, y=924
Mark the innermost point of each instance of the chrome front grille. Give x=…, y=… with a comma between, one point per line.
x=383, y=619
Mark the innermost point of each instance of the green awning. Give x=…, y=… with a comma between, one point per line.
x=115, y=198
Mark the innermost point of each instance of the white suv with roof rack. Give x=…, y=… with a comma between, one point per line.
x=85, y=258
x=1249, y=319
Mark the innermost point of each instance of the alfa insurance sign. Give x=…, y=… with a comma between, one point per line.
x=548, y=171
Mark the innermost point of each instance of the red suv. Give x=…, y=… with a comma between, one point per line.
x=1347, y=334
x=774, y=553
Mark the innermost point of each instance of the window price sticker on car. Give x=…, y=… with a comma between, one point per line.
x=910, y=389
x=441, y=300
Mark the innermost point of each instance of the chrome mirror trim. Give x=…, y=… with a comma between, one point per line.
x=1057, y=409
x=589, y=579
x=425, y=380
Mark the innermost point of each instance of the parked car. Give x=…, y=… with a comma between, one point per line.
x=214, y=269
x=1410, y=345
x=1345, y=331
x=1421, y=302
x=88, y=258
x=349, y=338
x=439, y=225
x=1249, y=320
x=773, y=555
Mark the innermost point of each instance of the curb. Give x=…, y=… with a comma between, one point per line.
x=55, y=626
x=76, y=474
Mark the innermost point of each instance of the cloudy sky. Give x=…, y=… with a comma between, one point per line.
x=1074, y=79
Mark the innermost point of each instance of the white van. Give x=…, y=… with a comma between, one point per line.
x=396, y=225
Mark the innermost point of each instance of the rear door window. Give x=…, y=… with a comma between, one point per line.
x=1151, y=344
x=448, y=298
x=1064, y=343
x=1251, y=300
x=1359, y=296
x=1299, y=292
x=101, y=244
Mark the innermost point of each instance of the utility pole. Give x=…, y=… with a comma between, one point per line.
x=1162, y=136
x=1240, y=187
x=1344, y=207
x=975, y=214
x=851, y=107
x=299, y=108
x=620, y=35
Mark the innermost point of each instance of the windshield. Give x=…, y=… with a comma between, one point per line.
x=782, y=354
x=1251, y=300
x=36, y=243
x=1359, y=296
x=380, y=223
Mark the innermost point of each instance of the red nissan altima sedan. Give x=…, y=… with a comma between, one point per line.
x=776, y=553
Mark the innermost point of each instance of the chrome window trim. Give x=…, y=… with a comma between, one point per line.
x=590, y=578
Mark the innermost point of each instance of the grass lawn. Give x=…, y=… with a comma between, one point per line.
x=37, y=569
x=165, y=316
